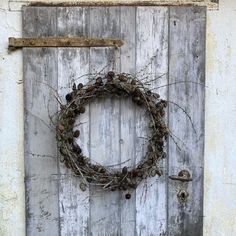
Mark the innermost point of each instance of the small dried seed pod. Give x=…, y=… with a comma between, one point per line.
x=153, y=173
x=63, y=151
x=120, y=187
x=71, y=121
x=89, y=180
x=74, y=87
x=134, y=173
x=90, y=89
x=156, y=95
x=76, y=133
x=73, y=106
x=70, y=114
x=95, y=167
x=124, y=187
x=80, y=86
x=82, y=109
x=76, y=111
x=159, y=172
x=128, y=180
x=122, y=78
x=61, y=127
x=70, y=139
x=148, y=92
x=77, y=148
x=67, y=164
x=124, y=170
x=150, y=161
x=99, y=81
x=133, y=185
x=150, y=148
x=80, y=158
x=109, y=79
x=140, y=174
x=164, y=103
x=151, y=125
x=160, y=142
x=163, y=155
x=101, y=169
x=83, y=186
x=140, y=102
x=69, y=97
x=111, y=74
x=136, y=99
x=162, y=113
x=127, y=195
x=133, y=81
x=103, y=180
x=139, y=168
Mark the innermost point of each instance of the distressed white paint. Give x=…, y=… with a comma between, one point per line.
x=220, y=149
x=152, y=42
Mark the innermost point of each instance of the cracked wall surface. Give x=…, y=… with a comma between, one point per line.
x=220, y=147
x=11, y=128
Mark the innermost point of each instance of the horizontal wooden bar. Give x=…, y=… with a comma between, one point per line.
x=15, y=43
x=211, y=4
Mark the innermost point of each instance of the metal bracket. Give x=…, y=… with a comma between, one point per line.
x=16, y=43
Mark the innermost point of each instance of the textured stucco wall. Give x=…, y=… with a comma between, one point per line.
x=220, y=149
x=11, y=128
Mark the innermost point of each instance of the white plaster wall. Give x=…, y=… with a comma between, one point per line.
x=11, y=128
x=220, y=149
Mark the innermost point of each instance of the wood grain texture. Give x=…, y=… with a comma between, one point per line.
x=165, y=44
x=186, y=63
x=40, y=73
x=78, y=42
x=151, y=61
x=104, y=124
x=72, y=64
x=127, y=117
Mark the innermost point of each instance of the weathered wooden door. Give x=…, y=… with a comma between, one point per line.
x=163, y=42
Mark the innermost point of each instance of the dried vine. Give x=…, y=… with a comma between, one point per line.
x=111, y=85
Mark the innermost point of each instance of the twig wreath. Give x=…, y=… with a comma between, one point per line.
x=111, y=85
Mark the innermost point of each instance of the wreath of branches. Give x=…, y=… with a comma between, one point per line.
x=111, y=85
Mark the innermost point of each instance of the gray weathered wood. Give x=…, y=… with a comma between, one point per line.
x=113, y=129
x=127, y=117
x=187, y=59
x=72, y=64
x=40, y=73
x=151, y=61
x=104, y=123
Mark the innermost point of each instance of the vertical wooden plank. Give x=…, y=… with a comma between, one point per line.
x=40, y=73
x=127, y=116
x=186, y=63
x=72, y=64
x=104, y=126
x=152, y=59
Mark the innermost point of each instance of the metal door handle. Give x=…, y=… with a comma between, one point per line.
x=183, y=176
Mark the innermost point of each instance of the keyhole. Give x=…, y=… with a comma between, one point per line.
x=182, y=195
